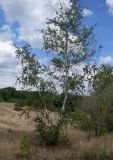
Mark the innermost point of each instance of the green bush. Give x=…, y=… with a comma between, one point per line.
x=86, y=123
x=82, y=121
x=109, y=120
x=19, y=104
x=73, y=102
x=48, y=129
x=25, y=147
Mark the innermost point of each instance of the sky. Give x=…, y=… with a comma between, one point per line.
x=20, y=22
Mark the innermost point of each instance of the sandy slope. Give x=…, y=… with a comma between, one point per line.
x=9, y=119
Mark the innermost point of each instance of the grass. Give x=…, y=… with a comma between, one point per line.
x=74, y=146
x=11, y=130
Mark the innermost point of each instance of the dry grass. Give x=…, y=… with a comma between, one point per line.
x=11, y=130
x=71, y=148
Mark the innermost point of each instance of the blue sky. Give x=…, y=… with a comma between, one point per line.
x=20, y=23
x=104, y=20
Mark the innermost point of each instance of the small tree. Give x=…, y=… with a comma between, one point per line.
x=98, y=104
x=32, y=72
x=72, y=42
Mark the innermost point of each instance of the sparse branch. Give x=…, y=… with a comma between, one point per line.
x=31, y=70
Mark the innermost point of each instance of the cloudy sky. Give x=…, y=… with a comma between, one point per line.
x=20, y=21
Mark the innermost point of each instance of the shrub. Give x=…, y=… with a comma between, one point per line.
x=109, y=120
x=19, y=104
x=82, y=121
x=73, y=102
x=48, y=129
x=26, y=147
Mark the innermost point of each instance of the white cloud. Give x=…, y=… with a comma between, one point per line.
x=6, y=52
x=87, y=12
x=9, y=65
x=106, y=60
x=31, y=15
x=6, y=81
x=110, y=6
x=5, y=33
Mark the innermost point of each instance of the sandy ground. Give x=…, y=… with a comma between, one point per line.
x=9, y=119
x=12, y=129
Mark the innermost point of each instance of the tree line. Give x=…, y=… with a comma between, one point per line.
x=32, y=99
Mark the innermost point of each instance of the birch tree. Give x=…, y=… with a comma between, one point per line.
x=71, y=41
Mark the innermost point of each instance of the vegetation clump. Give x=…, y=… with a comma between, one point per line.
x=49, y=129
x=26, y=147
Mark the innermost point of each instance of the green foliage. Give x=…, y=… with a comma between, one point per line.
x=73, y=102
x=96, y=112
x=98, y=105
x=48, y=129
x=109, y=120
x=6, y=94
x=73, y=42
x=81, y=120
x=19, y=104
x=30, y=66
x=91, y=125
x=26, y=147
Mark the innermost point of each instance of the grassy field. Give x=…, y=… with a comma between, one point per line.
x=12, y=128
x=74, y=147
